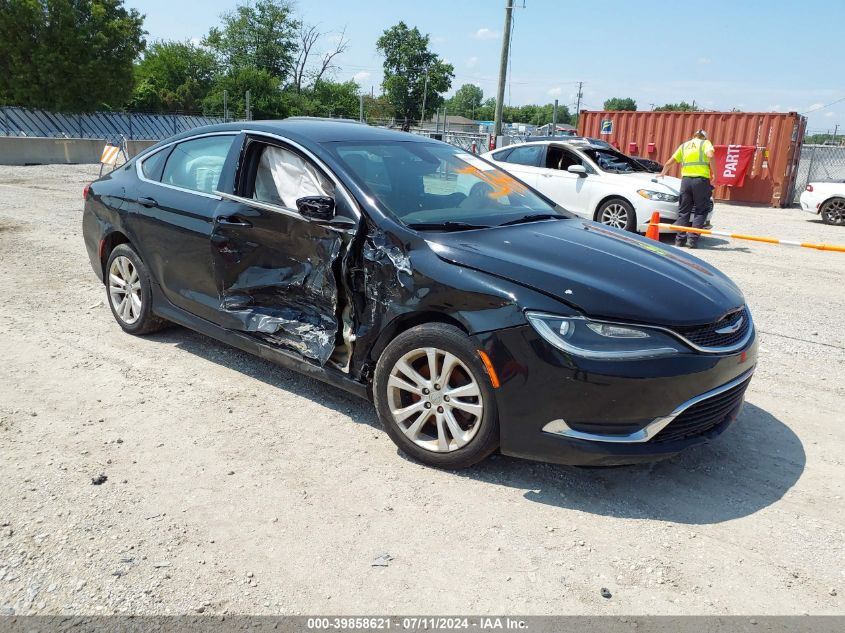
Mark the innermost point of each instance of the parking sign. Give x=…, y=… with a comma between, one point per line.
x=607, y=126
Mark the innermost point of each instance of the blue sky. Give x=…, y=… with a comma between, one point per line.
x=754, y=55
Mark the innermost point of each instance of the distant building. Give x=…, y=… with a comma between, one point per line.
x=454, y=123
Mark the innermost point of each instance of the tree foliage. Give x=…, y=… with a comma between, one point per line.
x=264, y=93
x=173, y=76
x=620, y=103
x=407, y=62
x=68, y=55
x=466, y=101
x=260, y=35
x=683, y=106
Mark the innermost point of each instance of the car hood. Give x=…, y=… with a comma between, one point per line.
x=601, y=271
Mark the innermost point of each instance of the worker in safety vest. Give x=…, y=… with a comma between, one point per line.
x=694, y=156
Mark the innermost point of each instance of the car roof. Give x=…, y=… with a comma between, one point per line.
x=578, y=142
x=316, y=130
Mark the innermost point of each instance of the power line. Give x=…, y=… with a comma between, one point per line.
x=827, y=105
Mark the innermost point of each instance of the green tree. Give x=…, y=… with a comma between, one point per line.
x=173, y=76
x=683, y=106
x=68, y=55
x=407, y=62
x=620, y=103
x=261, y=35
x=324, y=98
x=266, y=100
x=466, y=101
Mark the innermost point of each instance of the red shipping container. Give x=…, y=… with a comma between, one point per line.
x=776, y=136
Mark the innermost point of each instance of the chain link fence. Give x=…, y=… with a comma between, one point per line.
x=819, y=163
x=16, y=121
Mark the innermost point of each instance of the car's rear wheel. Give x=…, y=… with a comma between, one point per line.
x=617, y=213
x=128, y=291
x=434, y=397
x=833, y=212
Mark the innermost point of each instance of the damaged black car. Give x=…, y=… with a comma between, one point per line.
x=474, y=312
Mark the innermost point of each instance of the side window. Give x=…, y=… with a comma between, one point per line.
x=502, y=154
x=282, y=177
x=151, y=166
x=563, y=159
x=527, y=155
x=197, y=164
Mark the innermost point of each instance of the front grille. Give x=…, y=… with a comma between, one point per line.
x=707, y=336
x=705, y=415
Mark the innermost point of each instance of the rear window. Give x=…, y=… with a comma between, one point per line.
x=152, y=166
x=527, y=155
x=197, y=164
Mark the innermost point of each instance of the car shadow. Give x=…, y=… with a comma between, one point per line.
x=267, y=372
x=749, y=467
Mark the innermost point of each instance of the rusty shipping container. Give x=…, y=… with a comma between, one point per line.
x=656, y=135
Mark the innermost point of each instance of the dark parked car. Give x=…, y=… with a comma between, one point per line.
x=473, y=311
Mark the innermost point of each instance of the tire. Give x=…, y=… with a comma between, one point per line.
x=618, y=213
x=833, y=212
x=439, y=430
x=136, y=317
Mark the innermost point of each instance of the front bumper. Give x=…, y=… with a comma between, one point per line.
x=558, y=408
x=668, y=214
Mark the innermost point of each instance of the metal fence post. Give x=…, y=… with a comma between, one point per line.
x=130, y=125
x=79, y=123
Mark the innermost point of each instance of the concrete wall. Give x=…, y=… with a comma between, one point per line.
x=16, y=150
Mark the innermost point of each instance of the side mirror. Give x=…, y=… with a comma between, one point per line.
x=316, y=208
x=577, y=169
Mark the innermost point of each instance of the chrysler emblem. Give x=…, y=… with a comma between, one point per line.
x=730, y=329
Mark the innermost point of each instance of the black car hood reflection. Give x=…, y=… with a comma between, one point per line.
x=601, y=271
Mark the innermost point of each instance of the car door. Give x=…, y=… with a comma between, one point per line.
x=574, y=192
x=171, y=213
x=524, y=162
x=277, y=272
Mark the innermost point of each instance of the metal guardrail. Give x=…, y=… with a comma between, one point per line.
x=28, y=122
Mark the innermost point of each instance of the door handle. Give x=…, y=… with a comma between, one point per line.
x=546, y=175
x=233, y=221
x=147, y=202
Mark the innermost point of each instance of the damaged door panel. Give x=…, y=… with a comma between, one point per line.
x=277, y=273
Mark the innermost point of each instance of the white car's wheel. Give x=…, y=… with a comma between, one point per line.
x=833, y=211
x=617, y=213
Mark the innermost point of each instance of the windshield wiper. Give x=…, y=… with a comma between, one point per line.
x=533, y=218
x=449, y=225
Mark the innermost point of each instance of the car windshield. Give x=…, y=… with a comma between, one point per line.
x=436, y=186
x=613, y=161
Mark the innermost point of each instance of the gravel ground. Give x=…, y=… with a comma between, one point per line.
x=234, y=486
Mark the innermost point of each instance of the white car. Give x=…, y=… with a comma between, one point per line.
x=827, y=199
x=593, y=181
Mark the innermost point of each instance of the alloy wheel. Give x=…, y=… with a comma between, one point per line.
x=125, y=290
x=835, y=211
x=435, y=400
x=615, y=215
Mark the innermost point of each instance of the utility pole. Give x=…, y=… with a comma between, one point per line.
x=225, y=106
x=425, y=93
x=835, y=130
x=247, y=113
x=503, y=68
x=554, y=119
x=361, y=107
x=578, y=100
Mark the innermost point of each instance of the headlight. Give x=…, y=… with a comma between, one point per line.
x=597, y=340
x=648, y=194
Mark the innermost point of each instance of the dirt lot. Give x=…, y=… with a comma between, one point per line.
x=235, y=486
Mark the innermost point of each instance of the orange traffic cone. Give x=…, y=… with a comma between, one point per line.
x=653, y=232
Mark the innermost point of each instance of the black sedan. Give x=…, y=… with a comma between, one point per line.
x=475, y=313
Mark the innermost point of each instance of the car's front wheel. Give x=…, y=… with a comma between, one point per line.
x=434, y=397
x=617, y=213
x=129, y=293
x=833, y=212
